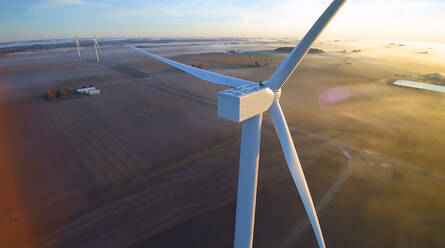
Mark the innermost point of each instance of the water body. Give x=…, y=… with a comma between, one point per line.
x=418, y=85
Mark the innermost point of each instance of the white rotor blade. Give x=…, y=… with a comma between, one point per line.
x=247, y=181
x=208, y=76
x=97, y=54
x=78, y=47
x=288, y=66
x=295, y=168
x=97, y=44
x=98, y=47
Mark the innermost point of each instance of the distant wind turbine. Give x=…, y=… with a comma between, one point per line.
x=78, y=47
x=96, y=48
x=246, y=101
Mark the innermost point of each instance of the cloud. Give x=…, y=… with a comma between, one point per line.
x=49, y=4
x=358, y=18
x=272, y=18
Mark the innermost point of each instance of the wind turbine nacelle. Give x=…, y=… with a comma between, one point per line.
x=241, y=103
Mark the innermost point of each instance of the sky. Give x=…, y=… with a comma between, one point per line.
x=407, y=20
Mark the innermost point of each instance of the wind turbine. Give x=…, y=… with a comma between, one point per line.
x=246, y=101
x=96, y=48
x=78, y=47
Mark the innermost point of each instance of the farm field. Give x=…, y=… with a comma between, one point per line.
x=148, y=163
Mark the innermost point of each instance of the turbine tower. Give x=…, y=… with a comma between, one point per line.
x=96, y=48
x=78, y=47
x=245, y=102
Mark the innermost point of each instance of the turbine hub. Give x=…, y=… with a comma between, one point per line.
x=241, y=103
x=277, y=95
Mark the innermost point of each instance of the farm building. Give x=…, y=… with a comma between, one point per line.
x=93, y=92
x=85, y=90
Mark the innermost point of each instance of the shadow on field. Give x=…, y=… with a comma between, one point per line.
x=131, y=72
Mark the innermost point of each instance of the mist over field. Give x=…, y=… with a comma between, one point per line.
x=105, y=142
x=149, y=163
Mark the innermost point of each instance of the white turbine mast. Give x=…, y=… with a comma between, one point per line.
x=78, y=47
x=245, y=102
x=96, y=48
